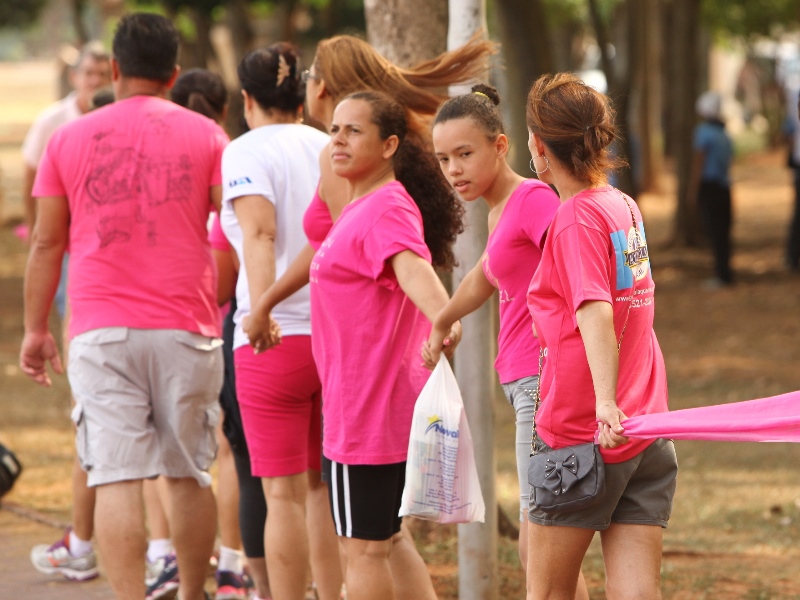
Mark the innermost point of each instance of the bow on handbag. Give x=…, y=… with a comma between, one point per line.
x=560, y=475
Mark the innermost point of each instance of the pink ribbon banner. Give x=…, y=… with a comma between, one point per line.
x=775, y=419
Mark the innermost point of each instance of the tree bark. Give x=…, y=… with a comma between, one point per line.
x=527, y=49
x=647, y=61
x=684, y=59
x=407, y=31
x=618, y=78
x=477, y=542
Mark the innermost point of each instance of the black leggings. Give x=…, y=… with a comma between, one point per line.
x=715, y=203
x=252, y=507
x=252, y=504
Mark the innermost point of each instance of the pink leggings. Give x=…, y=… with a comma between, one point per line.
x=280, y=398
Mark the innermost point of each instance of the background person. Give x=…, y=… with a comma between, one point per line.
x=710, y=186
x=204, y=92
x=792, y=132
x=592, y=306
x=269, y=178
x=134, y=213
x=73, y=555
x=373, y=293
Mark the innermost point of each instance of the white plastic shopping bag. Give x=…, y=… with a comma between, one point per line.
x=441, y=477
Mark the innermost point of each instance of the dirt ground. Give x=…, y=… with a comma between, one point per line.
x=735, y=527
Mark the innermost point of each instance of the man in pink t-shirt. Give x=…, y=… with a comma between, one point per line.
x=129, y=188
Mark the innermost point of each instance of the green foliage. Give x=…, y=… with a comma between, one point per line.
x=572, y=11
x=20, y=13
x=748, y=18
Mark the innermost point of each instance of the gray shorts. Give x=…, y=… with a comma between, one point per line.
x=519, y=394
x=639, y=491
x=147, y=403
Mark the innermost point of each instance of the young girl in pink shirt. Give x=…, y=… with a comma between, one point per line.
x=373, y=294
x=471, y=147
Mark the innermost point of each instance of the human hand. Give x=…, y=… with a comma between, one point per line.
x=37, y=350
x=263, y=333
x=609, y=425
x=440, y=340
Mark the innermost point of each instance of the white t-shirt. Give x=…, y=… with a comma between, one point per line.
x=280, y=163
x=45, y=125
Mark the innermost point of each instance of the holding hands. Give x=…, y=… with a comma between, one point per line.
x=262, y=331
x=440, y=340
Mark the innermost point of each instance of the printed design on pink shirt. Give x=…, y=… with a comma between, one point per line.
x=121, y=177
x=632, y=256
x=312, y=278
x=487, y=270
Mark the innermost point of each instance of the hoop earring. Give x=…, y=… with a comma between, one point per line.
x=533, y=168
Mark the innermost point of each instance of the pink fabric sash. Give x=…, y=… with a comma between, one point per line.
x=775, y=419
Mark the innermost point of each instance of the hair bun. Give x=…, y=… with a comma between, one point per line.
x=488, y=91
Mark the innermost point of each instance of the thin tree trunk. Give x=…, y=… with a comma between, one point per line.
x=238, y=18
x=683, y=53
x=81, y=32
x=618, y=78
x=527, y=49
x=647, y=20
x=477, y=542
x=407, y=31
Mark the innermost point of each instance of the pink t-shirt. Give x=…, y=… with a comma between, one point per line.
x=137, y=174
x=592, y=253
x=216, y=237
x=366, y=332
x=218, y=242
x=513, y=252
x=317, y=221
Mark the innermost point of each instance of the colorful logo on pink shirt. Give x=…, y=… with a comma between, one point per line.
x=632, y=256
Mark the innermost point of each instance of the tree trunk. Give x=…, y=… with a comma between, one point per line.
x=527, y=49
x=238, y=20
x=407, y=31
x=618, y=78
x=477, y=542
x=684, y=59
x=647, y=61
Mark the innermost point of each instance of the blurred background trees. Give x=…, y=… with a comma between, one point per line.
x=653, y=57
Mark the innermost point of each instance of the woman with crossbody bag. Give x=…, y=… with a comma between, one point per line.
x=592, y=302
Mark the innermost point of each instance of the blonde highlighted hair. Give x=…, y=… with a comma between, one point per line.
x=348, y=64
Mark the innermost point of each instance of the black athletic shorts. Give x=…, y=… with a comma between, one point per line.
x=365, y=499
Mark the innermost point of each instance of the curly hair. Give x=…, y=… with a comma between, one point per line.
x=348, y=64
x=576, y=122
x=416, y=168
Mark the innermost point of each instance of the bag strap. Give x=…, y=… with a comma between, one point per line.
x=543, y=351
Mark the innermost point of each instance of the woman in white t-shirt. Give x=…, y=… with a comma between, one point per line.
x=269, y=178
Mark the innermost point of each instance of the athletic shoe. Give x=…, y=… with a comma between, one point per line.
x=58, y=559
x=230, y=586
x=166, y=582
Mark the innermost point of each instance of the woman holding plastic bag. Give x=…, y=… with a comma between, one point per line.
x=373, y=293
x=592, y=301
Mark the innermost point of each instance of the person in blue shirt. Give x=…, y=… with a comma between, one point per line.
x=710, y=185
x=792, y=132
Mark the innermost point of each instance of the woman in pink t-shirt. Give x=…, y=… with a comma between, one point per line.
x=345, y=64
x=373, y=293
x=471, y=146
x=592, y=301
